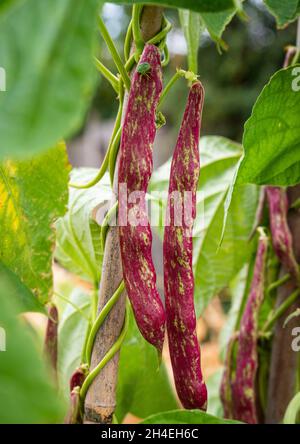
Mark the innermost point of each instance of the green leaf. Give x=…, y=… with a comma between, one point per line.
x=72, y=330
x=292, y=412
x=46, y=49
x=215, y=268
x=26, y=299
x=192, y=26
x=216, y=23
x=193, y=5
x=271, y=136
x=186, y=417
x=33, y=194
x=284, y=11
x=143, y=389
x=78, y=246
x=26, y=392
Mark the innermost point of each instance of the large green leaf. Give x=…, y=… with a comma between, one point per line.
x=214, y=268
x=186, y=417
x=33, y=194
x=143, y=388
x=193, y=27
x=271, y=137
x=46, y=49
x=284, y=11
x=193, y=5
x=73, y=324
x=27, y=301
x=26, y=391
x=78, y=246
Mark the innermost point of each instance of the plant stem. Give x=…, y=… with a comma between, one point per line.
x=127, y=43
x=168, y=87
x=113, y=80
x=278, y=283
x=113, y=350
x=178, y=75
x=136, y=30
x=281, y=310
x=114, y=53
x=99, y=321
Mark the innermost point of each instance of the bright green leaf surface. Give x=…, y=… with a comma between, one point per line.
x=78, y=247
x=186, y=417
x=46, y=48
x=26, y=392
x=271, y=137
x=33, y=194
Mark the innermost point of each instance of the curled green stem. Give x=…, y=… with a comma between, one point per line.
x=136, y=30
x=107, y=158
x=97, y=178
x=127, y=43
x=109, y=355
x=280, y=311
x=278, y=283
x=130, y=63
x=166, y=59
x=180, y=73
x=114, y=53
x=113, y=80
x=113, y=154
x=162, y=34
x=100, y=319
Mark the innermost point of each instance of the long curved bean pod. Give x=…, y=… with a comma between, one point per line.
x=244, y=399
x=135, y=169
x=178, y=251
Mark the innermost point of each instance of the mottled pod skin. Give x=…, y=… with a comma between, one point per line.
x=244, y=400
x=178, y=252
x=281, y=235
x=135, y=169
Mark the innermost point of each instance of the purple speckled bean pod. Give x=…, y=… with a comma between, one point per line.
x=135, y=169
x=244, y=398
x=281, y=235
x=178, y=252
